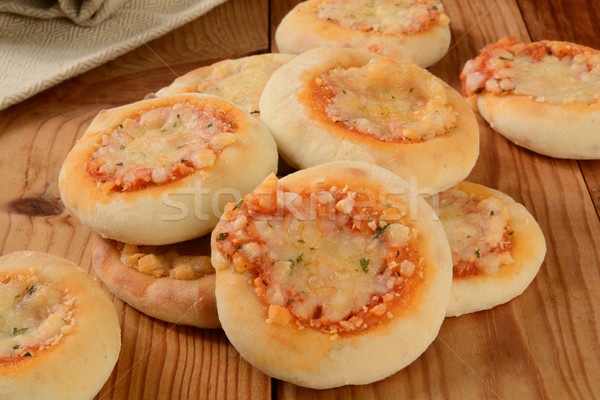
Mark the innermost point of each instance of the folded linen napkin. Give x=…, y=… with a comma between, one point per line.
x=81, y=12
x=36, y=54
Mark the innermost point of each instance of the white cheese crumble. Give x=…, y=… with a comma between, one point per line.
x=391, y=17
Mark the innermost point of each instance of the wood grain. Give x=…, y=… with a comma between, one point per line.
x=158, y=360
x=575, y=21
x=543, y=344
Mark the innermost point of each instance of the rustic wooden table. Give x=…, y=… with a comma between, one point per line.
x=543, y=344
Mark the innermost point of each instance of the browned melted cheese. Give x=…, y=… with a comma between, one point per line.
x=164, y=262
x=551, y=72
x=387, y=17
x=34, y=316
x=386, y=100
x=477, y=231
x=160, y=145
x=332, y=259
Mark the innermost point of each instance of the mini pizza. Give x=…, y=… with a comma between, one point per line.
x=174, y=283
x=59, y=332
x=544, y=96
x=160, y=171
x=334, y=275
x=240, y=81
x=497, y=247
x=415, y=31
x=346, y=104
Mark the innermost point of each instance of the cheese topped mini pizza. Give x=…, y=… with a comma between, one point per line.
x=240, y=81
x=160, y=171
x=334, y=275
x=415, y=31
x=497, y=247
x=544, y=96
x=334, y=104
x=174, y=283
x=59, y=332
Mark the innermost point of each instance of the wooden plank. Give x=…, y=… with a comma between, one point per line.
x=575, y=21
x=545, y=343
x=158, y=360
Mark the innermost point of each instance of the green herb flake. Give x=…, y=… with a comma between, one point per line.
x=510, y=233
x=30, y=289
x=255, y=112
x=178, y=116
x=364, y=263
x=17, y=296
x=299, y=258
x=505, y=59
x=492, y=212
x=122, y=147
x=477, y=253
x=28, y=354
x=301, y=241
x=379, y=230
x=239, y=246
x=338, y=121
x=222, y=236
x=343, y=91
x=435, y=7
x=18, y=331
x=411, y=89
x=265, y=283
x=121, y=126
x=478, y=90
x=209, y=125
x=238, y=204
x=16, y=346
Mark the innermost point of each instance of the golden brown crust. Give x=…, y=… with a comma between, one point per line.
x=312, y=358
x=186, y=302
x=78, y=365
x=302, y=30
x=176, y=211
x=527, y=248
x=555, y=130
x=293, y=118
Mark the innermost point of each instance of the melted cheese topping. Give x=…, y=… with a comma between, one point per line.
x=159, y=146
x=321, y=258
x=477, y=231
x=552, y=72
x=33, y=316
x=387, y=100
x=151, y=260
x=241, y=81
x=391, y=17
